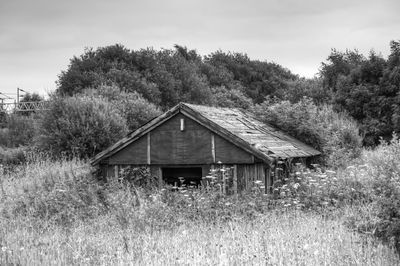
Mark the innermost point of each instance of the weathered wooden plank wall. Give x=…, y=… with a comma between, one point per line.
x=180, y=140
x=135, y=153
x=227, y=153
x=171, y=145
x=247, y=174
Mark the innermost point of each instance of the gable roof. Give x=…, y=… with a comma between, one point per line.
x=237, y=126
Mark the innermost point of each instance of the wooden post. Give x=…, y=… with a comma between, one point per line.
x=116, y=171
x=160, y=180
x=213, y=148
x=235, y=187
x=148, y=149
x=268, y=180
x=223, y=180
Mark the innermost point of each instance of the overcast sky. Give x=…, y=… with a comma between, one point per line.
x=39, y=37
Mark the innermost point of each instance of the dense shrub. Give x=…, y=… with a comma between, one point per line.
x=80, y=125
x=19, y=130
x=12, y=156
x=383, y=168
x=336, y=135
x=130, y=105
x=223, y=97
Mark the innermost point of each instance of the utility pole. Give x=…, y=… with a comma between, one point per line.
x=18, y=96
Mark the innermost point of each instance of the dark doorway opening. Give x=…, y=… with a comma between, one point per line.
x=190, y=176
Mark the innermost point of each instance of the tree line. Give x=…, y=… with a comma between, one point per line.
x=112, y=90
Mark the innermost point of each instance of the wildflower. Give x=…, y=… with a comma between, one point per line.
x=257, y=182
x=4, y=249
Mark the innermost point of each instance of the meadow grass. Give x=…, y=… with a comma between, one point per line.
x=55, y=213
x=278, y=238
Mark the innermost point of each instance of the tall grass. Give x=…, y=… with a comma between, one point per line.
x=291, y=238
x=55, y=212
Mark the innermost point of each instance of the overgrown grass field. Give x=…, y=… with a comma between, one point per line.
x=56, y=213
x=288, y=238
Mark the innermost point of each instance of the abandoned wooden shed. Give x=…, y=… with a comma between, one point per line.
x=190, y=140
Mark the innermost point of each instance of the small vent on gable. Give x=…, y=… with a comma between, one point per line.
x=182, y=124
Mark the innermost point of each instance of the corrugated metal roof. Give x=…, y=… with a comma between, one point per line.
x=262, y=136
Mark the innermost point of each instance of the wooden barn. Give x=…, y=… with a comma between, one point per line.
x=190, y=140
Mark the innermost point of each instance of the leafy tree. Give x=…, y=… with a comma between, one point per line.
x=131, y=106
x=233, y=98
x=81, y=126
x=336, y=135
x=299, y=88
x=339, y=64
x=260, y=79
x=167, y=77
x=32, y=97
x=367, y=88
x=19, y=130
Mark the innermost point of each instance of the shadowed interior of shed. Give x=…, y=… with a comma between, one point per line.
x=190, y=176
